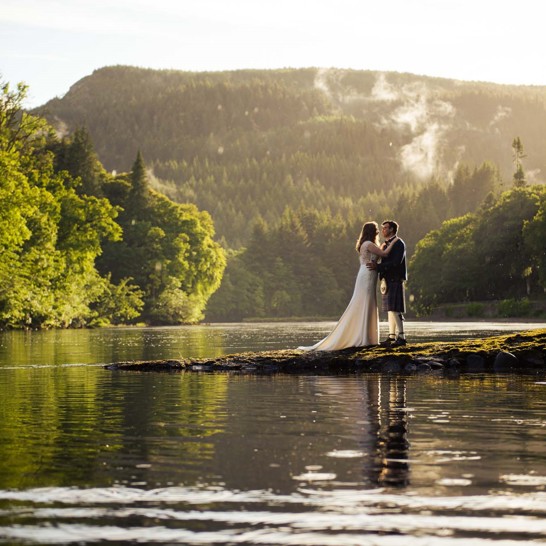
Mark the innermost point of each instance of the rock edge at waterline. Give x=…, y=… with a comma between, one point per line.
x=519, y=352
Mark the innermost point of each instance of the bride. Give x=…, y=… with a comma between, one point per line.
x=359, y=324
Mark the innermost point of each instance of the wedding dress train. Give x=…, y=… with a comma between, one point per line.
x=359, y=324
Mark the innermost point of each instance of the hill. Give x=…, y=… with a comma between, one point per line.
x=247, y=144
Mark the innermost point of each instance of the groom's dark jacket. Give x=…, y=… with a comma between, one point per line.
x=393, y=267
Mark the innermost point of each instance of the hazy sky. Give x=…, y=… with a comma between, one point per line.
x=51, y=44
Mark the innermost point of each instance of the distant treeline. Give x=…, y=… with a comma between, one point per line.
x=80, y=247
x=307, y=265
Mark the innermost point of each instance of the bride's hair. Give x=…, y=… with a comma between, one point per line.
x=370, y=231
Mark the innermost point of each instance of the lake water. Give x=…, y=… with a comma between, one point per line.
x=92, y=456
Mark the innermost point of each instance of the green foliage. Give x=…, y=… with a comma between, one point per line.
x=472, y=187
x=50, y=234
x=20, y=133
x=76, y=155
x=514, y=308
x=489, y=255
x=330, y=163
x=119, y=303
x=240, y=295
x=500, y=247
x=304, y=267
x=167, y=249
x=175, y=306
x=139, y=194
x=534, y=235
x=440, y=269
x=475, y=310
x=55, y=224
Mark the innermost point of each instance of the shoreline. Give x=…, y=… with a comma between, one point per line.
x=508, y=310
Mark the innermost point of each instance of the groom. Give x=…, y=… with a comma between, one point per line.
x=393, y=269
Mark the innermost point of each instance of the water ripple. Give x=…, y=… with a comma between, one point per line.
x=179, y=515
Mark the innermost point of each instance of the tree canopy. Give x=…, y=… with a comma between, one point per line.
x=57, y=220
x=492, y=254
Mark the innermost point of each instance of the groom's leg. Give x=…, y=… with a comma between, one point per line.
x=392, y=331
x=401, y=336
x=399, y=319
x=393, y=324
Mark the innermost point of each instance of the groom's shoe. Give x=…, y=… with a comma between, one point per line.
x=388, y=342
x=398, y=342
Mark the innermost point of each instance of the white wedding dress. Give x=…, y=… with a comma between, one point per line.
x=359, y=324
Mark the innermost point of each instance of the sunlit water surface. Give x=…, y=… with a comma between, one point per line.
x=93, y=456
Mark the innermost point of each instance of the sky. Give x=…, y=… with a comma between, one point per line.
x=51, y=44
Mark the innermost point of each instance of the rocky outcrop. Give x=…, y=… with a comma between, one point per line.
x=520, y=352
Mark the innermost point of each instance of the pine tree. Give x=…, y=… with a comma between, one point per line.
x=518, y=155
x=139, y=196
x=81, y=161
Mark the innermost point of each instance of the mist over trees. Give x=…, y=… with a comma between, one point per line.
x=245, y=145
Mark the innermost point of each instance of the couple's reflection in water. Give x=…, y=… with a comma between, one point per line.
x=376, y=408
x=387, y=441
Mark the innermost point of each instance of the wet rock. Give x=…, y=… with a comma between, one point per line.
x=475, y=363
x=229, y=366
x=269, y=368
x=410, y=367
x=391, y=366
x=453, y=364
x=424, y=367
x=148, y=366
x=452, y=373
x=532, y=358
x=505, y=361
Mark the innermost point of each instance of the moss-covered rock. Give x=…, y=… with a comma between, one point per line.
x=523, y=352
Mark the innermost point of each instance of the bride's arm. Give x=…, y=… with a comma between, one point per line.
x=374, y=249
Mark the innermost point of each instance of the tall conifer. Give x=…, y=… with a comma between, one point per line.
x=139, y=195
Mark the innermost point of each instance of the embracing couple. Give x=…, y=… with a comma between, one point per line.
x=359, y=324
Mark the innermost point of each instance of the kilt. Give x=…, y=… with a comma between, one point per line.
x=395, y=298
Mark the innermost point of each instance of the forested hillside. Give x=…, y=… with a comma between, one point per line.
x=246, y=145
